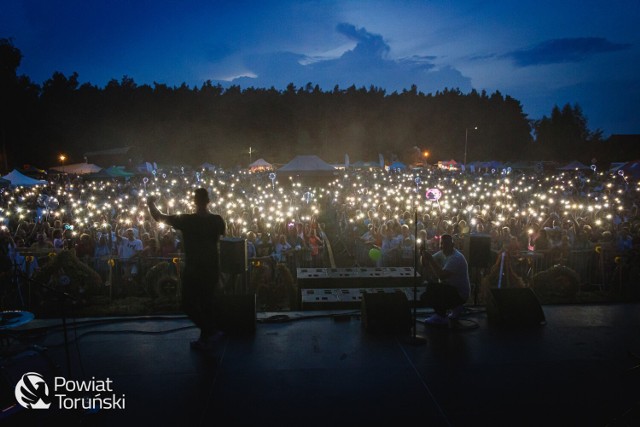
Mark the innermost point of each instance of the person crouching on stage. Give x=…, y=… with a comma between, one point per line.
x=448, y=295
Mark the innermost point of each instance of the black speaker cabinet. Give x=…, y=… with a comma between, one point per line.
x=477, y=249
x=236, y=314
x=514, y=307
x=385, y=312
x=233, y=255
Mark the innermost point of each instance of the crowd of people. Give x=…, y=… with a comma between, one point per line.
x=550, y=214
x=107, y=224
x=371, y=217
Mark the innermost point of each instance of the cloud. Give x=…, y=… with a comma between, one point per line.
x=368, y=44
x=365, y=64
x=564, y=50
x=418, y=62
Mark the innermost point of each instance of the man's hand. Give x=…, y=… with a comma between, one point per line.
x=151, y=199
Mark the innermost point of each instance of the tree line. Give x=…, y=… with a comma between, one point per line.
x=216, y=124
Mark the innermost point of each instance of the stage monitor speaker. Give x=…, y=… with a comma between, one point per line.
x=233, y=255
x=385, y=312
x=514, y=307
x=477, y=248
x=236, y=314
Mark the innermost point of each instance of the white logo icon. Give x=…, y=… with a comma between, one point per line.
x=32, y=391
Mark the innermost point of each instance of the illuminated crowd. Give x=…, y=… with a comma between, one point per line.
x=364, y=216
x=528, y=211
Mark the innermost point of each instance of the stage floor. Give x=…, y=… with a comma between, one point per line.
x=323, y=368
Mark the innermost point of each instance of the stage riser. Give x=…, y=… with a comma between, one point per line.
x=340, y=278
x=332, y=299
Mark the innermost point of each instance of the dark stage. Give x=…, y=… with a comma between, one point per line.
x=323, y=368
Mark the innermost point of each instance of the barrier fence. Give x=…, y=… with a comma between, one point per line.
x=140, y=275
x=601, y=268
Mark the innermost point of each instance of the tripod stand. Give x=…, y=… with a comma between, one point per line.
x=415, y=339
x=63, y=297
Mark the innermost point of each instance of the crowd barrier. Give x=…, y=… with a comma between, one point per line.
x=112, y=276
x=396, y=258
x=602, y=268
x=154, y=276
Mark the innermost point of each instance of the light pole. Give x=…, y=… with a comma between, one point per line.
x=466, y=138
x=62, y=158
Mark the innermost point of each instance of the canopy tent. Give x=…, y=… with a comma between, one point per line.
x=397, y=165
x=489, y=164
x=119, y=172
x=575, y=165
x=77, y=168
x=17, y=179
x=307, y=165
x=448, y=164
x=260, y=165
x=101, y=174
x=523, y=165
x=364, y=165
x=145, y=168
x=631, y=169
x=109, y=173
x=208, y=166
x=616, y=166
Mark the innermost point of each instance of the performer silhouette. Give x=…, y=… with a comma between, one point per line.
x=201, y=233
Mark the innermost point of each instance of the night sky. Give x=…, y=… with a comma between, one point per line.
x=542, y=52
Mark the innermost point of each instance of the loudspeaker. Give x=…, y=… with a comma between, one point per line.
x=385, y=312
x=233, y=255
x=236, y=314
x=514, y=307
x=477, y=248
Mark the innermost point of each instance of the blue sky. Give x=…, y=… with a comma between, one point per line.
x=542, y=52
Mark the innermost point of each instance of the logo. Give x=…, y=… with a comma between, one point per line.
x=32, y=391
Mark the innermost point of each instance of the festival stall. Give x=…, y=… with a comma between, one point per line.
x=260, y=165
x=17, y=179
x=449, y=165
x=77, y=168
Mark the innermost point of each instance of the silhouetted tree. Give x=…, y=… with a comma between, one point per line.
x=191, y=125
x=18, y=107
x=565, y=135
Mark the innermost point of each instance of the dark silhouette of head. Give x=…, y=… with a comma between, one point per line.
x=201, y=198
x=446, y=244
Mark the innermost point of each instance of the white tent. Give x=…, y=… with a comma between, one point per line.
x=307, y=165
x=78, y=168
x=17, y=179
x=260, y=164
x=208, y=166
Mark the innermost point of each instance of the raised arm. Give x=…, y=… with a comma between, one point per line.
x=154, y=211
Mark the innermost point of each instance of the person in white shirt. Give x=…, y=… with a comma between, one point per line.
x=453, y=288
x=128, y=249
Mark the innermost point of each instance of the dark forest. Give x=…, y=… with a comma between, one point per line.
x=216, y=124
